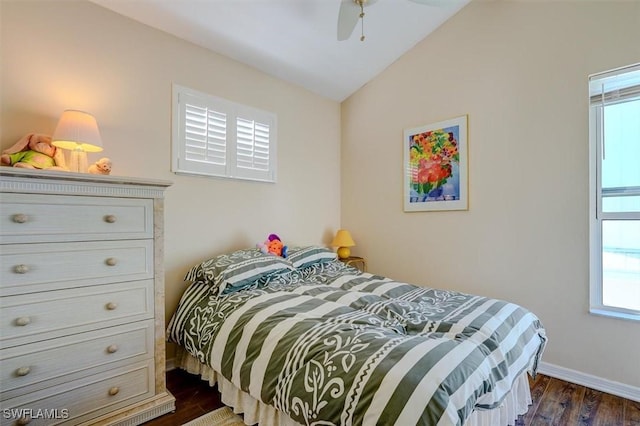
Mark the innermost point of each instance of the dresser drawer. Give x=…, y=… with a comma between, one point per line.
x=26, y=268
x=81, y=400
x=31, y=367
x=49, y=218
x=29, y=318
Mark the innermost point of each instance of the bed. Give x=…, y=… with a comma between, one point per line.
x=308, y=340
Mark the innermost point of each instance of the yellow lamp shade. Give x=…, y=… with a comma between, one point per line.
x=343, y=241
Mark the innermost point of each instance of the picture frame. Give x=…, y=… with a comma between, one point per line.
x=436, y=166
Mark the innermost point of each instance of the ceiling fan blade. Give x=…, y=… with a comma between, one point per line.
x=347, y=18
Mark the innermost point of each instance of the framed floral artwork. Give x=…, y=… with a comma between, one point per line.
x=436, y=166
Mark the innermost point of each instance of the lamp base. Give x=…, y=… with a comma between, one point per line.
x=344, y=252
x=78, y=161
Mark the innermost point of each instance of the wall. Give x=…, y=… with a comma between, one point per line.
x=519, y=70
x=59, y=55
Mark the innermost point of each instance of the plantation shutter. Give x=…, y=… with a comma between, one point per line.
x=205, y=135
x=253, y=145
x=255, y=141
x=215, y=137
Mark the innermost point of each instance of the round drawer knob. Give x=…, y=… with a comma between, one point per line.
x=21, y=269
x=112, y=349
x=20, y=218
x=23, y=421
x=114, y=391
x=111, y=261
x=110, y=218
x=112, y=306
x=22, y=321
x=23, y=371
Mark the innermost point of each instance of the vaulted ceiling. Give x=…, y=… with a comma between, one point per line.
x=296, y=40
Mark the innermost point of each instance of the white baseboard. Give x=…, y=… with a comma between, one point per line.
x=593, y=382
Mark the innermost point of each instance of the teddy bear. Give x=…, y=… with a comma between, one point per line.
x=101, y=167
x=34, y=151
x=273, y=245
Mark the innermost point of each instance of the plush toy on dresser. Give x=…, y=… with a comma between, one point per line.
x=34, y=151
x=101, y=167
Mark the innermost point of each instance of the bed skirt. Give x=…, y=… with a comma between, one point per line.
x=256, y=412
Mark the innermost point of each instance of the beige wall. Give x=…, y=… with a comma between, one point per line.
x=58, y=55
x=519, y=70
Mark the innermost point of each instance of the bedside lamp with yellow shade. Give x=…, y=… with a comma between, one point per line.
x=343, y=241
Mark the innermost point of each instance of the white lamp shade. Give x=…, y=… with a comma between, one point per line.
x=77, y=130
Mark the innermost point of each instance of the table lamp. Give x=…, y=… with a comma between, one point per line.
x=343, y=241
x=78, y=132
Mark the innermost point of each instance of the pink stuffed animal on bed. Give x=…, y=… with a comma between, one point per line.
x=273, y=245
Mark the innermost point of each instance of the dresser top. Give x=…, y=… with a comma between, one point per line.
x=13, y=179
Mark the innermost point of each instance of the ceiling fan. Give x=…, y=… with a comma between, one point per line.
x=352, y=10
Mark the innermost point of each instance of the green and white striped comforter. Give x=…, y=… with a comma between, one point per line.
x=329, y=345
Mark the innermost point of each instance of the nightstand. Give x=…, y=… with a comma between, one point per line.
x=355, y=261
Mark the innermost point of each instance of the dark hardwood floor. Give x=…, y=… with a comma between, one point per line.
x=555, y=402
x=194, y=397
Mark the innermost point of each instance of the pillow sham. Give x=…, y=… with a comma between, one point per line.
x=301, y=257
x=233, y=271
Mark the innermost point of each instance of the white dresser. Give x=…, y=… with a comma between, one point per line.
x=82, y=333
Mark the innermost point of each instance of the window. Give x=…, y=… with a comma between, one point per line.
x=614, y=169
x=216, y=137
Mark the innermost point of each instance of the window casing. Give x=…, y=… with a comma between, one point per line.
x=212, y=136
x=614, y=200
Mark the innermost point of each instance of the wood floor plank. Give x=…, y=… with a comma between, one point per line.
x=560, y=404
x=601, y=409
x=538, y=387
x=194, y=398
x=631, y=413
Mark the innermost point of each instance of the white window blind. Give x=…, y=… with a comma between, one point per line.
x=216, y=137
x=615, y=86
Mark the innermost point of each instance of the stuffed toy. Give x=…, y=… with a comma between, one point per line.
x=273, y=245
x=101, y=167
x=34, y=151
